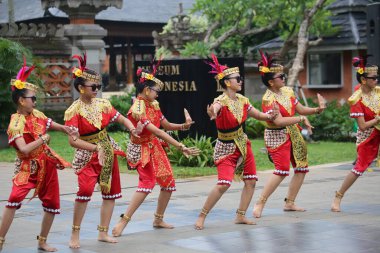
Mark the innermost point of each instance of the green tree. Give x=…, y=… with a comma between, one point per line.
x=11, y=60
x=235, y=25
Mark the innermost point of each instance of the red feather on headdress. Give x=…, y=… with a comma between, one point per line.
x=266, y=60
x=215, y=65
x=154, y=67
x=82, y=61
x=24, y=72
x=360, y=61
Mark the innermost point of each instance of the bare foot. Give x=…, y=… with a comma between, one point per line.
x=104, y=237
x=118, y=229
x=45, y=247
x=199, y=224
x=161, y=224
x=243, y=220
x=258, y=209
x=74, y=240
x=335, y=206
x=291, y=207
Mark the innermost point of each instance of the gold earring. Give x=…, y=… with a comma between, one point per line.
x=81, y=91
x=147, y=93
x=228, y=84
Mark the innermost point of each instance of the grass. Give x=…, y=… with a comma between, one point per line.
x=318, y=152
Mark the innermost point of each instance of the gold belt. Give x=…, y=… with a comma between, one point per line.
x=95, y=138
x=231, y=135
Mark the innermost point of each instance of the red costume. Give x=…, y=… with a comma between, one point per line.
x=39, y=168
x=284, y=144
x=91, y=121
x=146, y=154
x=367, y=143
x=233, y=153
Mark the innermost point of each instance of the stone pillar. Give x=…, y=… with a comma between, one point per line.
x=85, y=35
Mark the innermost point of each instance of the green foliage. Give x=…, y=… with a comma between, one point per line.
x=255, y=128
x=122, y=104
x=163, y=53
x=239, y=12
x=205, y=144
x=197, y=48
x=334, y=124
x=11, y=60
x=198, y=24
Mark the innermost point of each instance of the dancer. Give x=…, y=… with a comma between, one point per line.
x=365, y=108
x=95, y=159
x=146, y=153
x=36, y=163
x=282, y=136
x=232, y=153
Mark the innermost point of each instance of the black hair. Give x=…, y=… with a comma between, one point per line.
x=266, y=77
x=81, y=81
x=222, y=82
x=17, y=94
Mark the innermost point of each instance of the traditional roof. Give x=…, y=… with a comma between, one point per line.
x=146, y=11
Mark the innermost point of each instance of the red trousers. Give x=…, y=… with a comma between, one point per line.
x=282, y=156
x=88, y=177
x=226, y=167
x=48, y=193
x=367, y=152
x=147, y=179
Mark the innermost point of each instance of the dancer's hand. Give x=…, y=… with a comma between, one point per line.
x=45, y=138
x=71, y=131
x=321, y=103
x=274, y=113
x=192, y=151
x=211, y=111
x=308, y=126
x=188, y=120
x=101, y=155
x=137, y=131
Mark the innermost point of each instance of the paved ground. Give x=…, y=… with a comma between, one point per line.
x=356, y=229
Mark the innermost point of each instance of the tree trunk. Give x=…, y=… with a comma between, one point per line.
x=303, y=43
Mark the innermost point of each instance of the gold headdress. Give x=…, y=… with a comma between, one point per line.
x=150, y=76
x=360, y=63
x=266, y=64
x=81, y=71
x=20, y=81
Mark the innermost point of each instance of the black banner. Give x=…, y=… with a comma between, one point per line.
x=188, y=84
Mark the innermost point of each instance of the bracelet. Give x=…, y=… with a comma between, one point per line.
x=181, y=147
x=97, y=148
x=132, y=129
x=44, y=140
x=183, y=127
x=302, y=119
x=317, y=111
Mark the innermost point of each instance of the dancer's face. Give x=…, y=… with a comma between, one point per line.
x=371, y=80
x=90, y=89
x=28, y=101
x=234, y=82
x=278, y=81
x=152, y=92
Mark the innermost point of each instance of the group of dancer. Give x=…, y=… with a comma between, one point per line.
x=95, y=159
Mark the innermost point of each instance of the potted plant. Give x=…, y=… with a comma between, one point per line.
x=11, y=59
